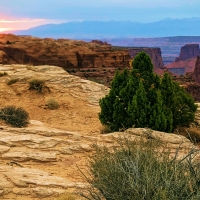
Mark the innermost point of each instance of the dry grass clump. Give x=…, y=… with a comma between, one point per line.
x=141, y=170
x=15, y=116
x=12, y=81
x=52, y=104
x=3, y=74
x=192, y=133
x=36, y=84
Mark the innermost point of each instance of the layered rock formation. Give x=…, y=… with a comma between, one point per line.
x=100, y=42
x=94, y=59
x=188, y=51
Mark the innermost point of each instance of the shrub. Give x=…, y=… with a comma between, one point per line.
x=73, y=71
x=8, y=42
x=52, y=104
x=16, y=117
x=143, y=99
x=12, y=81
x=143, y=170
x=3, y=74
x=37, y=84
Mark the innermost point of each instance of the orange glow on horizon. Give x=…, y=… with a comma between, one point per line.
x=4, y=29
x=11, y=24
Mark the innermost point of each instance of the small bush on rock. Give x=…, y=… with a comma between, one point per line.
x=37, y=84
x=16, y=117
x=52, y=104
x=192, y=133
x=3, y=74
x=12, y=81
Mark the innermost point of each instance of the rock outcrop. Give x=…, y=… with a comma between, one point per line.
x=94, y=60
x=182, y=67
x=196, y=73
x=193, y=88
x=100, y=42
x=86, y=59
x=188, y=51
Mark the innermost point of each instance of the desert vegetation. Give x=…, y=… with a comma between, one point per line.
x=14, y=116
x=36, y=84
x=146, y=168
x=52, y=104
x=143, y=169
x=140, y=98
x=12, y=81
x=3, y=74
x=192, y=133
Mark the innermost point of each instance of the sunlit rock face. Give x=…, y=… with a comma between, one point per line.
x=85, y=59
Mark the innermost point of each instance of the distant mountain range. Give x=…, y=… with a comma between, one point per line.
x=116, y=29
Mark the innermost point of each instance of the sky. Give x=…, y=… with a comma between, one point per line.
x=24, y=14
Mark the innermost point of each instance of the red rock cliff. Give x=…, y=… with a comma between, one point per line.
x=196, y=73
x=188, y=51
x=93, y=59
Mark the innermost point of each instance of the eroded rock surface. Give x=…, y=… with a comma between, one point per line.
x=86, y=59
x=29, y=170
x=94, y=60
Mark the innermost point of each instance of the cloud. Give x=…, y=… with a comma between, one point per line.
x=23, y=20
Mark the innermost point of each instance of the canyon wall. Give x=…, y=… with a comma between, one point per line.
x=196, y=73
x=188, y=51
x=191, y=81
x=185, y=62
x=85, y=59
x=154, y=53
x=94, y=60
